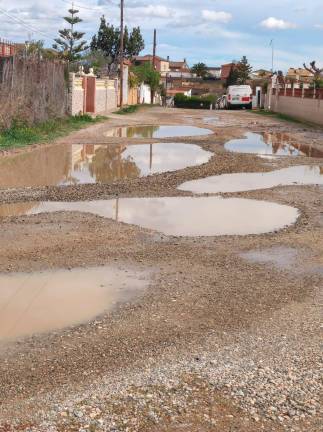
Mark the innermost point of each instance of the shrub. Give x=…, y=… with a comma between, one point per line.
x=193, y=102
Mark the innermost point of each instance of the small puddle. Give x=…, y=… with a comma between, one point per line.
x=211, y=120
x=297, y=175
x=157, y=131
x=88, y=164
x=44, y=301
x=281, y=257
x=284, y=258
x=271, y=144
x=186, y=216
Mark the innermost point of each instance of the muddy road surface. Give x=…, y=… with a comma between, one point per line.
x=128, y=303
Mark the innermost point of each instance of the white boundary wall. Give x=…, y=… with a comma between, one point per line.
x=306, y=109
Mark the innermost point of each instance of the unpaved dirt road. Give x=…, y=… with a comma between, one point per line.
x=222, y=340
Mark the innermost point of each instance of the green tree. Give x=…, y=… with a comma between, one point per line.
x=233, y=77
x=69, y=43
x=147, y=75
x=107, y=40
x=36, y=48
x=243, y=70
x=200, y=69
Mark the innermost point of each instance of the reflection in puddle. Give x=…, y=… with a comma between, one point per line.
x=211, y=120
x=285, y=258
x=83, y=164
x=282, y=257
x=298, y=175
x=278, y=144
x=156, y=131
x=186, y=216
x=44, y=301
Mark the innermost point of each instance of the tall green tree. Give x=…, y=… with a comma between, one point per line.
x=233, y=77
x=70, y=43
x=107, y=40
x=243, y=70
x=200, y=69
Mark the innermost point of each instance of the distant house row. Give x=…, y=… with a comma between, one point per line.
x=165, y=66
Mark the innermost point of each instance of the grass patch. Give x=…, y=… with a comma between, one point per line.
x=127, y=110
x=20, y=134
x=284, y=117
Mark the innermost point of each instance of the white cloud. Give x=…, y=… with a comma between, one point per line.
x=319, y=26
x=155, y=11
x=277, y=24
x=214, y=16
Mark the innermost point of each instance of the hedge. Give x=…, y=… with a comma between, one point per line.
x=194, y=102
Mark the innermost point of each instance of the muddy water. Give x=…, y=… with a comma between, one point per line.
x=298, y=175
x=41, y=302
x=179, y=216
x=157, y=131
x=86, y=164
x=271, y=144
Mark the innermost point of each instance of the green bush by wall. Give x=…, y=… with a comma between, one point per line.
x=193, y=102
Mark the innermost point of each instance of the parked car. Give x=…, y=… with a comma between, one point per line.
x=239, y=96
x=221, y=103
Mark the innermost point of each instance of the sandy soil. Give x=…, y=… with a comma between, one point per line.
x=217, y=343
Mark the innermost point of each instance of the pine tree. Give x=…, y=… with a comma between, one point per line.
x=233, y=77
x=107, y=40
x=243, y=70
x=69, y=43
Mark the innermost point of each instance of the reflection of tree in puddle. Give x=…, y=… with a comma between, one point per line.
x=281, y=142
x=285, y=143
x=108, y=165
x=142, y=131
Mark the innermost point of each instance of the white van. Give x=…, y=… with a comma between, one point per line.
x=239, y=96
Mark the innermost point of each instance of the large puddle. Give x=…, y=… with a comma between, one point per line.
x=157, y=131
x=84, y=164
x=45, y=301
x=271, y=144
x=298, y=175
x=184, y=216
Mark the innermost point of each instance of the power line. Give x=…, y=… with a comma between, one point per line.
x=96, y=8
x=23, y=24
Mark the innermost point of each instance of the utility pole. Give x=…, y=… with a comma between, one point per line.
x=272, y=54
x=121, y=50
x=154, y=49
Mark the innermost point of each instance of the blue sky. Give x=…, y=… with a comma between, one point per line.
x=212, y=31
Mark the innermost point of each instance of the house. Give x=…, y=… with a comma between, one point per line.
x=180, y=69
x=161, y=64
x=261, y=74
x=226, y=69
x=179, y=90
x=214, y=72
x=299, y=75
x=7, y=49
x=179, y=66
